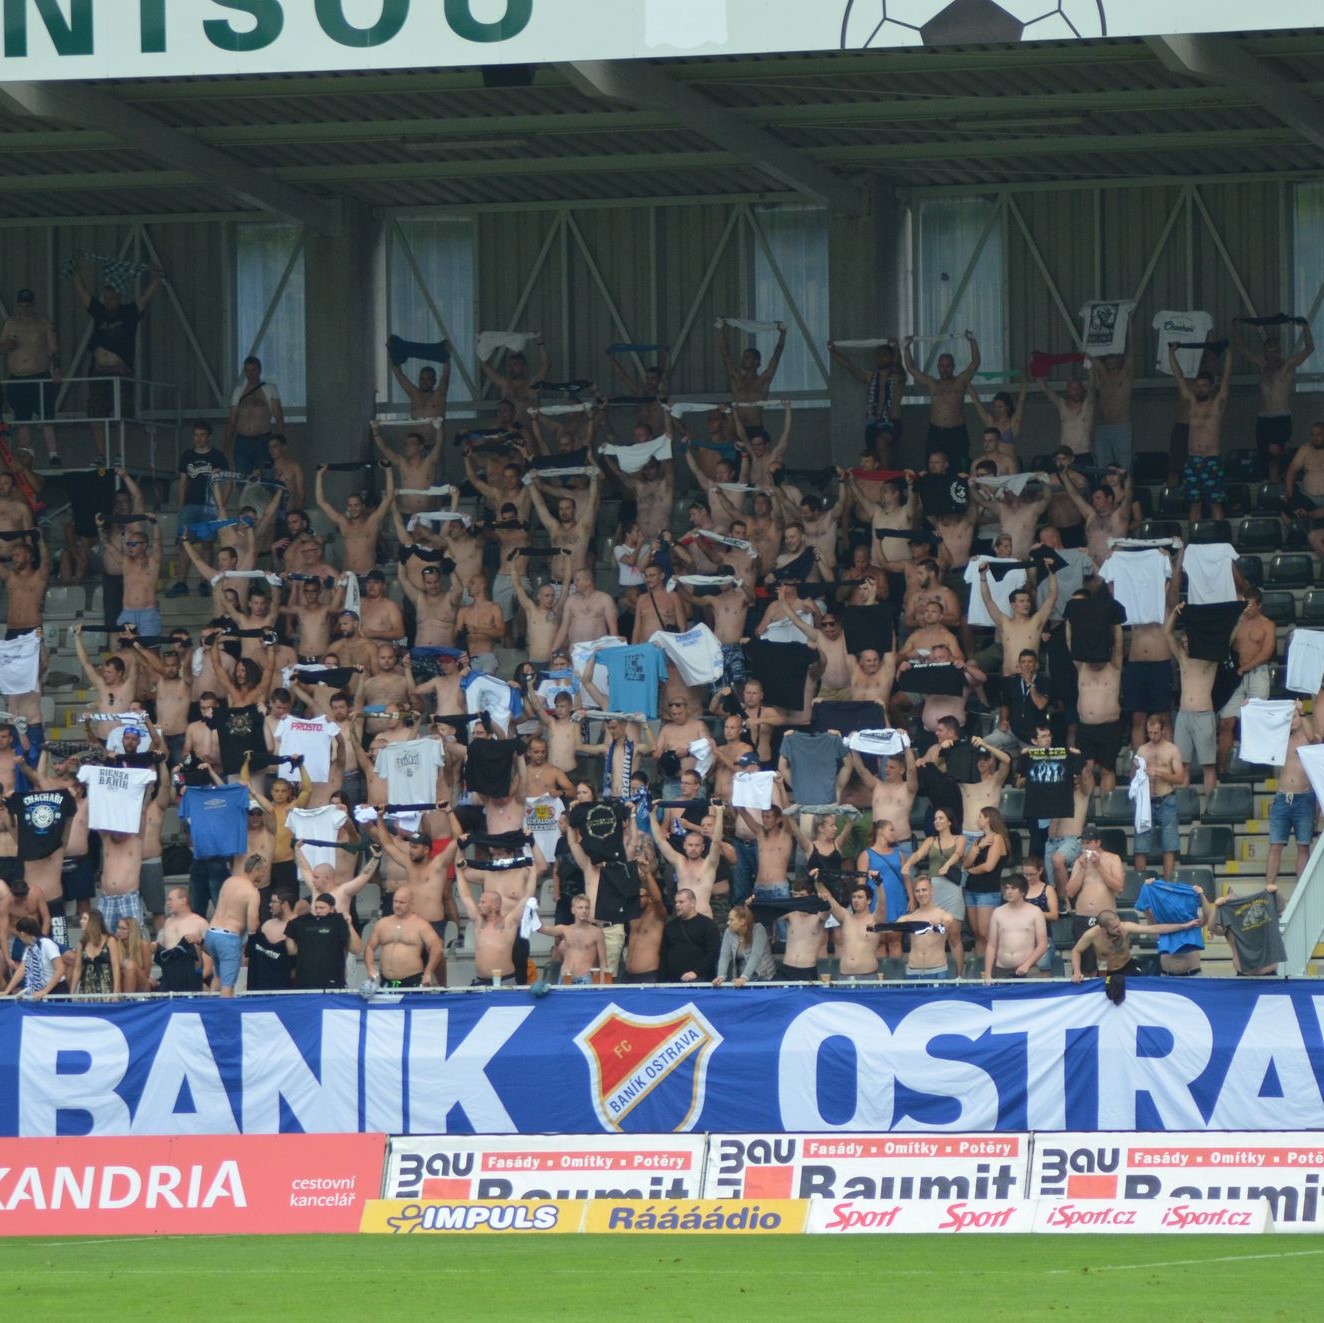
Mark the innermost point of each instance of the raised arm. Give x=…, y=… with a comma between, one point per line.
x=972, y=367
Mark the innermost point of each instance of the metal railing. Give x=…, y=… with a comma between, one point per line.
x=1303, y=920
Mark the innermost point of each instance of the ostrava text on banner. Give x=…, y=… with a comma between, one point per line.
x=1137, y=1171
x=1227, y=1055
x=907, y=1169
x=198, y=1185
x=542, y=1167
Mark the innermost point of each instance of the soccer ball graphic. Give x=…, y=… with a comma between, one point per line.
x=880, y=23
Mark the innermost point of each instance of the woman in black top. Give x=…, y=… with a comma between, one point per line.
x=984, y=862
x=1044, y=897
x=823, y=851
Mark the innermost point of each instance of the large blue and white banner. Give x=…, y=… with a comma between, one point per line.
x=1213, y=1056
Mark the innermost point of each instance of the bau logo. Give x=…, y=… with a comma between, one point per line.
x=648, y=1072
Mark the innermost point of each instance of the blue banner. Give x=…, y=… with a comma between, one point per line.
x=1226, y=1055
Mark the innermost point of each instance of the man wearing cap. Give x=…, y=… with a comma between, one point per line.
x=32, y=349
x=1095, y=882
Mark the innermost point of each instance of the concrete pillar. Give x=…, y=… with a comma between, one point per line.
x=867, y=264
x=338, y=315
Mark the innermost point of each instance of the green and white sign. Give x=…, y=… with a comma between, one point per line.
x=83, y=39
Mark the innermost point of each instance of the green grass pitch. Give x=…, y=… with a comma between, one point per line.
x=325, y=1279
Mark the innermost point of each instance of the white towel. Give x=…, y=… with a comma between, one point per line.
x=1266, y=727
x=1305, y=661
x=273, y=579
x=862, y=344
x=1138, y=792
x=555, y=410
x=529, y=922
x=630, y=459
x=352, y=596
x=745, y=324
x=702, y=753
x=438, y=517
x=365, y=813
x=20, y=663
x=707, y=533
x=1015, y=483
x=424, y=491
x=490, y=341
x=567, y=471
x=752, y=790
x=679, y=408
x=703, y=581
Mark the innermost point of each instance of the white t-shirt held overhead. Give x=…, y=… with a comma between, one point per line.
x=999, y=589
x=1208, y=569
x=1139, y=582
x=319, y=824
x=410, y=770
x=311, y=737
x=115, y=796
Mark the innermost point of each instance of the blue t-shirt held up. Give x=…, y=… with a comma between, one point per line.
x=634, y=675
x=217, y=818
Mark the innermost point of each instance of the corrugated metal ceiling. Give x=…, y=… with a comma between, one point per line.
x=955, y=116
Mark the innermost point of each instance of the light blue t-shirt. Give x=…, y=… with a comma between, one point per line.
x=634, y=674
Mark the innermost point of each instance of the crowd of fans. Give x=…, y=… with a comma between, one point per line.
x=782, y=733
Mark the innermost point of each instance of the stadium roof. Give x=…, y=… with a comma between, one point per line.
x=1048, y=114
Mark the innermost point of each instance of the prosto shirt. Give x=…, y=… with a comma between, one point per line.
x=311, y=737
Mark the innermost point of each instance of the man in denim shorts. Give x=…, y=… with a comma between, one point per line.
x=1166, y=771
x=1294, y=807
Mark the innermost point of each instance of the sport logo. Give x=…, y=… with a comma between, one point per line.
x=648, y=1071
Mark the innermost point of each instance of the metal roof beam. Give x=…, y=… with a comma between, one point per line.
x=647, y=88
x=72, y=103
x=1221, y=60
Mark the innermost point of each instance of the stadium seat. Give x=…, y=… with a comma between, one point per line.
x=1269, y=496
x=1013, y=806
x=1132, y=881
x=1252, y=569
x=1235, y=804
x=1292, y=569
x=1159, y=528
x=1114, y=806
x=1149, y=468
x=1240, y=770
x=1245, y=466
x=1144, y=500
x=1209, y=845
x=1279, y=605
x=1060, y=933
x=1311, y=609
x=1188, y=803
x=1236, y=500
x=1211, y=530
x=919, y=813
x=1197, y=875
x=1173, y=502
x=1260, y=533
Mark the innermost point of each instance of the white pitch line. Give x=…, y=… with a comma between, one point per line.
x=1182, y=1263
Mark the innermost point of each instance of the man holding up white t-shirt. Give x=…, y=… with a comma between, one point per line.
x=410, y=769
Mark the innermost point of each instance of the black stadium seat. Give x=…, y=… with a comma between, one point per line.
x=1252, y=569
x=1311, y=610
x=1149, y=468
x=1172, y=501
x=1160, y=528
x=1279, y=605
x=1013, y=806
x=1260, y=533
x=1211, y=530
x=1209, y=845
x=1235, y=804
x=1245, y=466
x=1269, y=496
x=1188, y=803
x=1292, y=569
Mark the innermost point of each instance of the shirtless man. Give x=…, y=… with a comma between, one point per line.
x=180, y=944
x=1096, y=880
x=1113, y=376
x=750, y=383
x=1105, y=517
x=415, y=469
x=32, y=356
x=893, y=793
x=255, y=413
x=483, y=625
x=1304, y=481
x=572, y=528
x=115, y=679
x=141, y=567
x=654, y=492
x=1022, y=631
x=510, y=491
x=1294, y=809
x=389, y=686
x=235, y=916
x=1099, y=733
x=358, y=528
x=427, y=398
x=1195, y=731
x=121, y=876
x=15, y=516
x=380, y=619
x=1019, y=514
x=495, y=931
x=515, y=385
x=947, y=429
x=930, y=947
x=314, y=614
x=930, y=634
x=1254, y=643
x=1273, y=423
x=1165, y=771
x=202, y=741
x=675, y=735
x=437, y=608
x=776, y=847
x=406, y=946
x=588, y=613
x=693, y=869
x=923, y=584
x=1017, y=934
x=859, y=942
x=26, y=582
x=562, y=729
x=1203, y=476
x=1105, y=948
x=658, y=608
x=541, y=777
x=1075, y=412
x=583, y=948
x=643, y=953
